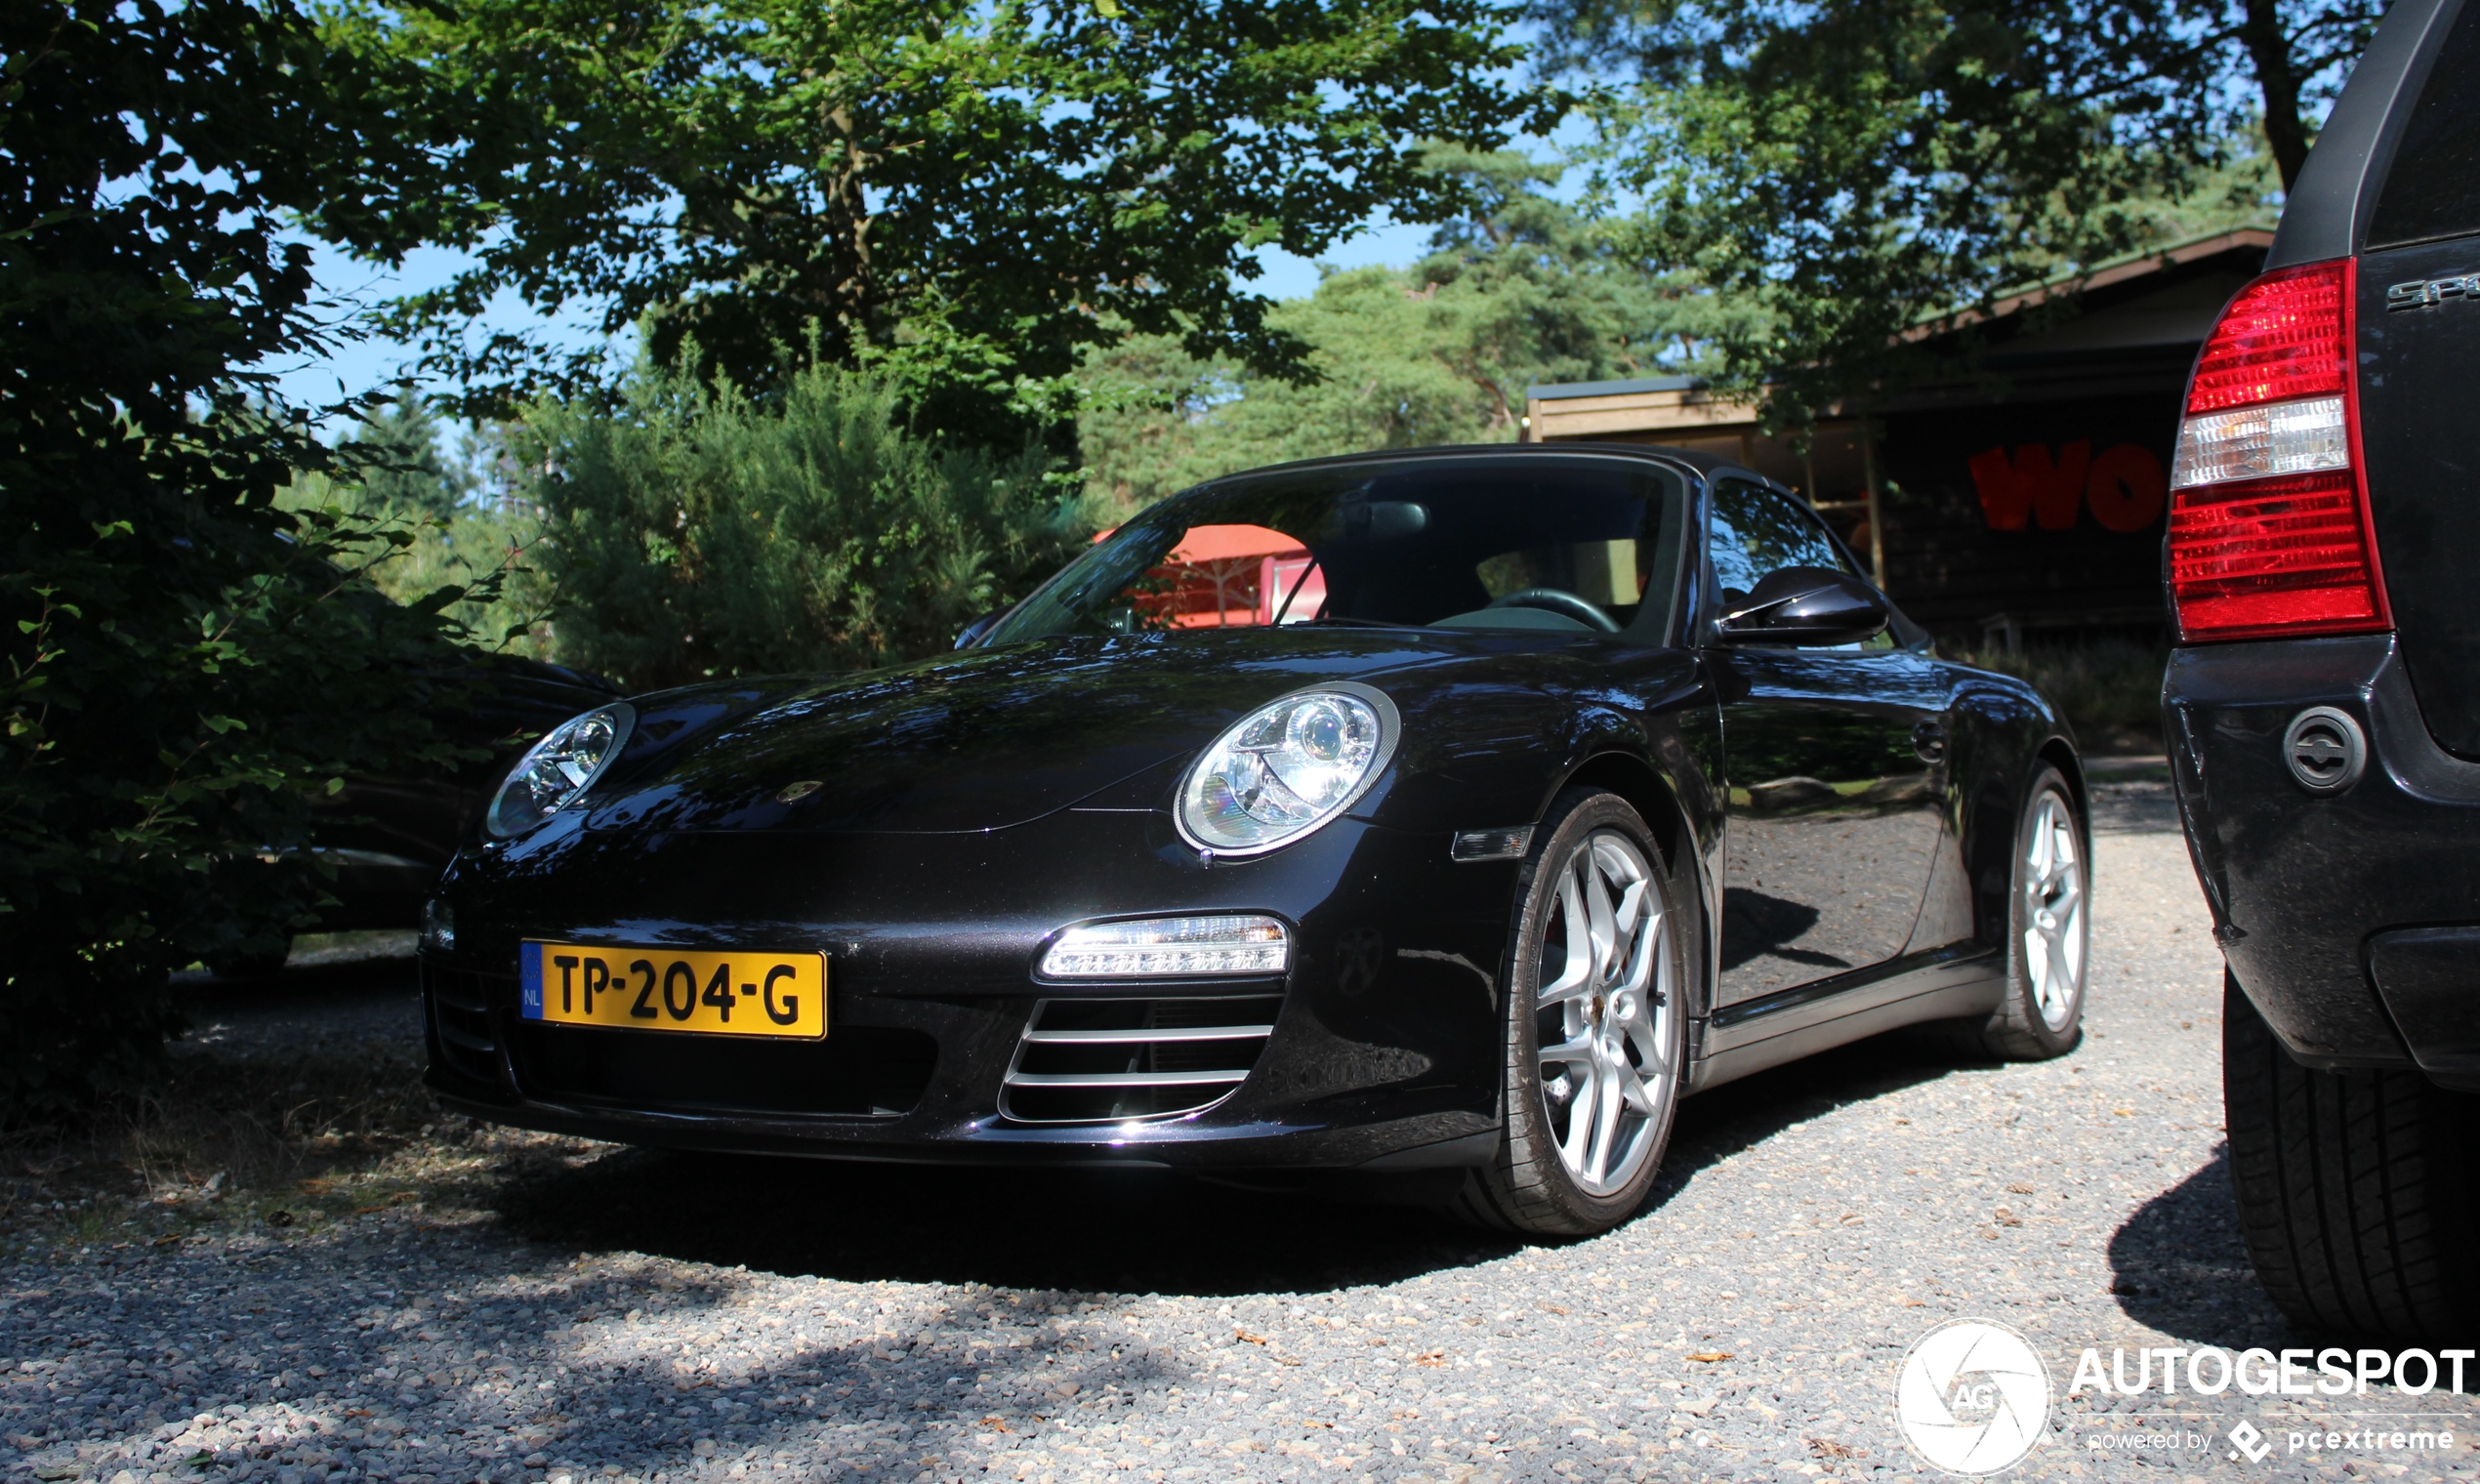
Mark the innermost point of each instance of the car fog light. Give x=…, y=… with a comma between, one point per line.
x=439, y=925
x=1170, y=947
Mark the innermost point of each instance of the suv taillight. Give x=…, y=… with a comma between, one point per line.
x=2268, y=530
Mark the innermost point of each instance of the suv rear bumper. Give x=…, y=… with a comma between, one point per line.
x=2353, y=921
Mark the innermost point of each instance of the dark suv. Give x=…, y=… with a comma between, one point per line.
x=2324, y=702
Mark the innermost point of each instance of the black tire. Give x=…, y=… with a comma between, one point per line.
x=2018, y=1030
x=1527, y=1187
x=2354, y=1189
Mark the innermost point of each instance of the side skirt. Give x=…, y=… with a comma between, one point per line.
x=1942, y=985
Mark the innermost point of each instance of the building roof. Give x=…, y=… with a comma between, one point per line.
x=2101, y=275
x=1558, y=390
x=2133, y=317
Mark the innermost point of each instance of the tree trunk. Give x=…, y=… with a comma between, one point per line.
x=2279, y=82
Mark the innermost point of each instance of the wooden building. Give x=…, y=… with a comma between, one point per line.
x=2026, y=494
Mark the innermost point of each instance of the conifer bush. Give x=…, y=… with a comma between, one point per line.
x=696, y=531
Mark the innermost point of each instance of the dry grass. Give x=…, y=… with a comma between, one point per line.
x=269, y=1121
x=271, y=1141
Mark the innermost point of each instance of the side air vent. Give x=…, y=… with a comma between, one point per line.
x=460, y=1006
x=1103, y=1061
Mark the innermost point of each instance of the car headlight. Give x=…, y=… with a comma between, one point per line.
x=556, y=771
x=1287, y=769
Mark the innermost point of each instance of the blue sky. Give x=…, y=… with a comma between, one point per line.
x=362, y=365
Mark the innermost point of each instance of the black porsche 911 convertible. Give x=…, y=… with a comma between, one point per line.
x=1438, y=816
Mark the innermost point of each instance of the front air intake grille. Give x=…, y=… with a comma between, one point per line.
x=860, y=1071
x=461, y=1010
x=1103, y=1061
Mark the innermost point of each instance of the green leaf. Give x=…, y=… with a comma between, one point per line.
x=994, y=152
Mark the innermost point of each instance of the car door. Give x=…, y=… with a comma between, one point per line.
x=1833, y=759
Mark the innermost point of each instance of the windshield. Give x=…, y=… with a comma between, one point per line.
x=1580, y=545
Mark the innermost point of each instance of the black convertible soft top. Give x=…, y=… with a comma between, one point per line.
x=1705, y=464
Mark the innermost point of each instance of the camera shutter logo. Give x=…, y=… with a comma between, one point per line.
x=1973, y=1397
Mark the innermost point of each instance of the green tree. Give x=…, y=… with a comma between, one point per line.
x=485, y=550
x=695, y=532
x=966, y=194
x=2243, y=189
x=1523, y=289
x=188, y=668
x=1859, y=166
x=401, y=467
x=2296, y=54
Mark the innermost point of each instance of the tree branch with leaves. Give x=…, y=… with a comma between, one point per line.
x=1860, y=168
x=963, y=194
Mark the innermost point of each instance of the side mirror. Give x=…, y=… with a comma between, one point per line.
x=974, y=631
x=1805, y=605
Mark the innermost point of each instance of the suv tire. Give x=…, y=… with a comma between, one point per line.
x=2354, y=1187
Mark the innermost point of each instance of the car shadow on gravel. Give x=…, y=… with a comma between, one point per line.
x=1096, y=1230
x=641, y=1368
x=1737, y=1116
x=2180, y=1265
x=1061, y=1230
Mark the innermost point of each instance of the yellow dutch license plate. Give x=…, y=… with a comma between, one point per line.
x=665, y=989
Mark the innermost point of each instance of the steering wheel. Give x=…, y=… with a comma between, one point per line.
x=1563, y=602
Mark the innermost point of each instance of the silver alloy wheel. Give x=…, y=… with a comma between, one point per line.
x=2055, y=928
x=1607, y=1017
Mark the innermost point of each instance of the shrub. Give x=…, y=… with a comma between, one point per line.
x=697, y=532
x=185, y=669
x=482, y=553
x=2110, y=689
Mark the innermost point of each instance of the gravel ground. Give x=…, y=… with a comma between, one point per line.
x=528, y=1309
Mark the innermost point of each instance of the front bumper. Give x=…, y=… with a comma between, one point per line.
x=1385, y=1046
x=2328, y=908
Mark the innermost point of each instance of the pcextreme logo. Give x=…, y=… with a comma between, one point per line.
x=2249, y=1442
x=1971, y=1397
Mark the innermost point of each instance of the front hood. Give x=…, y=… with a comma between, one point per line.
x=988, y=739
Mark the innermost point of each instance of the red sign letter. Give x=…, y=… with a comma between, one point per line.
x=2127, y=489
x=2032, y=485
